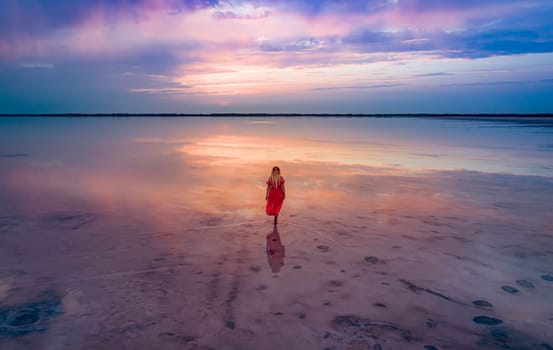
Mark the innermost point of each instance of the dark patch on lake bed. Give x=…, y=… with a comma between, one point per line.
x=211, y=220
x=482, y=303
x=371, y=259
x=502, y=337
x=509, y=289
x=335, y=283
x=21, y=319
x=174, y=337
x=72, y=220
x=485, y=320
x=414, y=288
x=526, y=284
x=430, y=323
x=10, y=221
x=365, y=333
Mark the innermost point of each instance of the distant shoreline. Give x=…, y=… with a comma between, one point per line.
x=333, y=115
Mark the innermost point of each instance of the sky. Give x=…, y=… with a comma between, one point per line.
x=320, y=56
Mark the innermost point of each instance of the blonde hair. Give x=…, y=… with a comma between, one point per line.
x=275, y=176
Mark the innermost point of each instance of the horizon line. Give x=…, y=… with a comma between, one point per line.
x=542, y=115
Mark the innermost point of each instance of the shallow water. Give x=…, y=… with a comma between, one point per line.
x=151, y=232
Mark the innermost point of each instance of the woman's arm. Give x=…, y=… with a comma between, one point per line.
x=283, y=191
x=267, y=192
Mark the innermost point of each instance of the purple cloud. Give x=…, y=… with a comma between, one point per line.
x=319, y=47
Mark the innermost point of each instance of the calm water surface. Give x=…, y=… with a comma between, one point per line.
x=150, y=232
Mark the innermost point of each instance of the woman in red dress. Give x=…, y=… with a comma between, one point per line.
x=275, y=193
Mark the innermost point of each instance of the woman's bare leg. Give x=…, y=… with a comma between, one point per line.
x=276, y=217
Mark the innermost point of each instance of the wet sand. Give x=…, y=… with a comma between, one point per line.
x=138, y=251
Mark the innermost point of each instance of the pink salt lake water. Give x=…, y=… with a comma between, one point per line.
x=141, y=233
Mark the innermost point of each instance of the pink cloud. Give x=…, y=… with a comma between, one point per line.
x=216, y=54
x=113, y=31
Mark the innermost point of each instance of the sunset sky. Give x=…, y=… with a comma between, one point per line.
x=324, y=56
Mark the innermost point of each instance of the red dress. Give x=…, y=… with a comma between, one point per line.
x=276, y=197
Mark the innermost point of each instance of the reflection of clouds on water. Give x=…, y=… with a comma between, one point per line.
x=185, y=219
x=417, y=156
x=70, y=301
x=234, y=191
x=5, y=286
x=250, y=149
x=261, y=122
x=47, y=163
x=160, y=141
x=14, y=155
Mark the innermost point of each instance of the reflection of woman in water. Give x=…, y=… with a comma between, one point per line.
x=275, y=251
x=275, y=193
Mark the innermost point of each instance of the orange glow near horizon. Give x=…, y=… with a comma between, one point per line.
x=228, y=150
